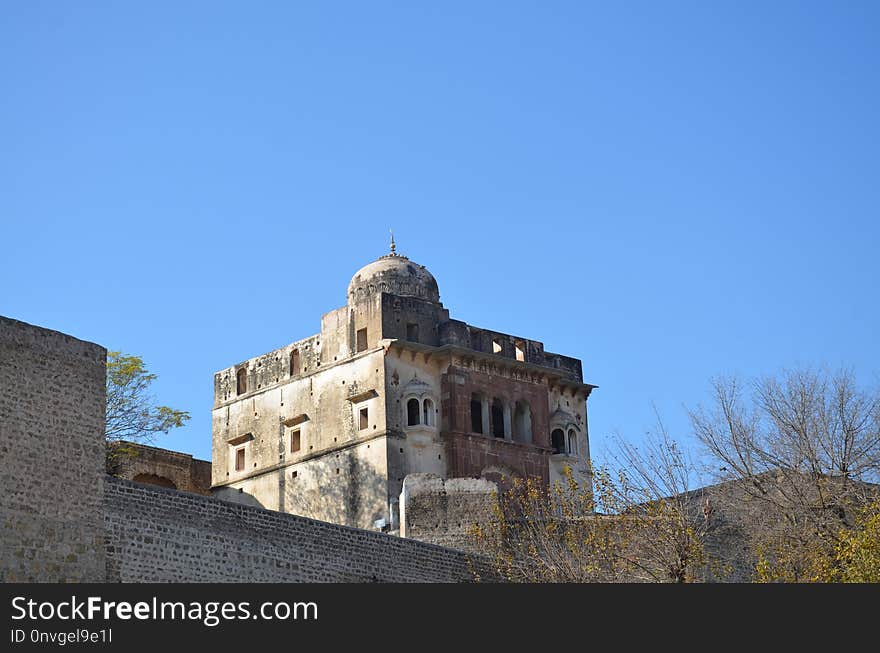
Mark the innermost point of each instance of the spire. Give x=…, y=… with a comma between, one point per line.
x=393, y=246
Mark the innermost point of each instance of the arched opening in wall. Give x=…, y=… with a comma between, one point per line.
x=412, y=412
x=572, y=442
x=522, y=422
x=152, y=479
x=557, y=441
x=497, y=346
x=476, y=414
x=497, y=418
x=429, y=413
x=520, y=347
x=241, y=381
x=294, y=362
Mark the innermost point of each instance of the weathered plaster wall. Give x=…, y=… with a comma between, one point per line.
x=400, y=312
x=159, y=535
x=339, y=472
x=52, y=403
x=444, y=511
x=568, y=413
x=420, y=447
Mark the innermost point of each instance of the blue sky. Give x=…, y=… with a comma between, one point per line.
x=667, y=190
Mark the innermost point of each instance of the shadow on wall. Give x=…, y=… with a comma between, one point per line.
x=234, y=495
x=153, y=479
x=346, y=490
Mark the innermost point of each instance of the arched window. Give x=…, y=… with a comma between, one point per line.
x=522, y=422
x=572, y=442
x=476, y=414
x=429, y=413
x=412, y=412
x=557, y=441
x=497, y=418
x=241, y=381
x=294, y=362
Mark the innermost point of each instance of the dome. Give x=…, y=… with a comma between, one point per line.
x=394, y=274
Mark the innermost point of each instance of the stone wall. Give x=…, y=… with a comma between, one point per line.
x=443, y=511
x=162, y=467
x=52, y=403
x=160, y=535
x=469, y=453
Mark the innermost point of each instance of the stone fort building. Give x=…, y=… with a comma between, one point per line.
x=330, y=426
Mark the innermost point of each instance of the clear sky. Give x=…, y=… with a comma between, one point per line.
x=666, y=190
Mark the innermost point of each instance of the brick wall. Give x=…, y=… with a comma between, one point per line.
x=471, y=454
x=52, y=403
x=160, y=535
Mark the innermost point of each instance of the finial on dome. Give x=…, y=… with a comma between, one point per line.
x=393, y=246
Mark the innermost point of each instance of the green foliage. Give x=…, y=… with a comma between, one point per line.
x=132, y=413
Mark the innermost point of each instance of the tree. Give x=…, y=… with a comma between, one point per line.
x=804, y=451
x=637, y=522
x=858, y=550
x=132, y=413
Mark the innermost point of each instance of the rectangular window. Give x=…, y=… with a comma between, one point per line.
x=364, y=419
x=362, y=340
x=520, y=350
x=497, y=348
x=295, y=441
x=239, y=459
x=412, y=332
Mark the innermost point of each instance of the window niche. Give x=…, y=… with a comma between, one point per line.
x=430, y=413
x=476, y=414
x=412, y=412
x=497, y=417
x=557, y=441
x=522, y=422
x=412, y=332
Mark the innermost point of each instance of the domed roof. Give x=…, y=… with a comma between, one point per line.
x=395, y=274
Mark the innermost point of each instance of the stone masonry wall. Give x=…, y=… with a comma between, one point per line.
x=161, y=535
x=63, y=520
x=52, y=403
x=162, y=467
x=443, y=511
